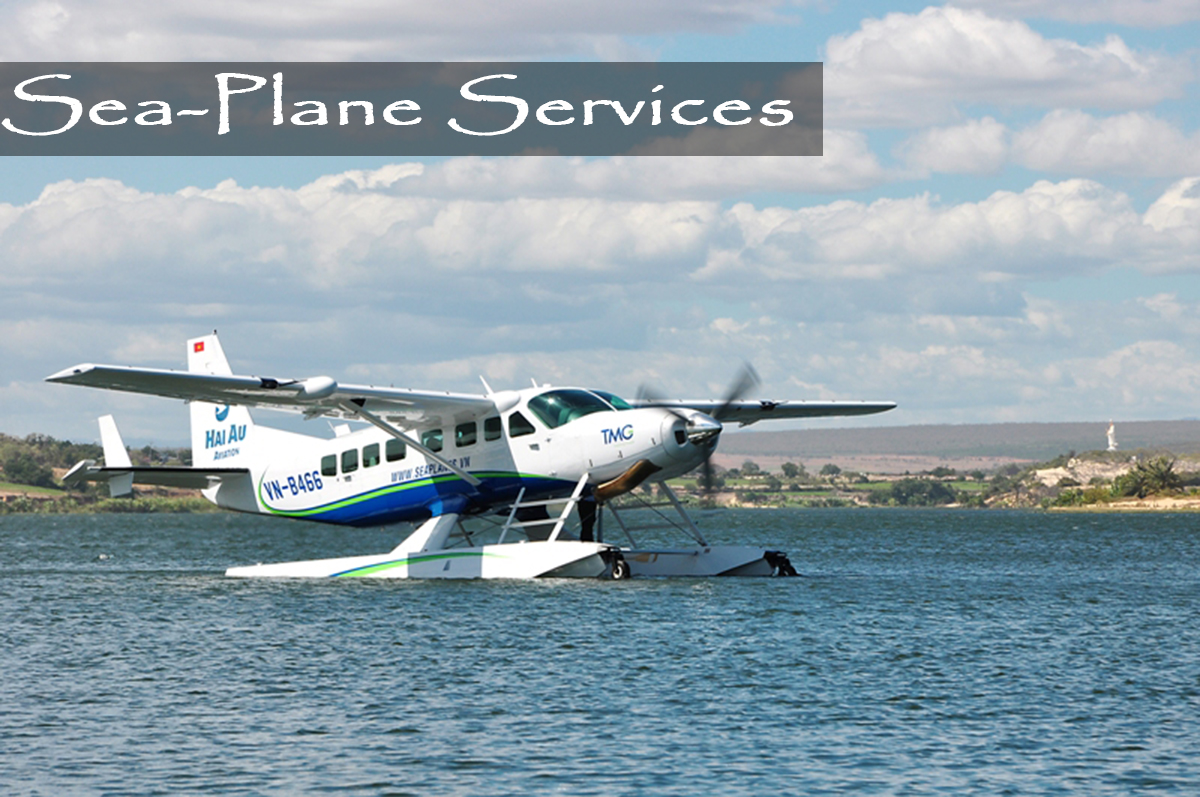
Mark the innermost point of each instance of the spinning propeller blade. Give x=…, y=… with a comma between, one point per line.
x=746, y=380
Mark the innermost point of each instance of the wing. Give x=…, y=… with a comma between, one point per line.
x=315, y=396
x=747, y=412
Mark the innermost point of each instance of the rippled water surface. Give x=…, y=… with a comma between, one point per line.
x=925, y=652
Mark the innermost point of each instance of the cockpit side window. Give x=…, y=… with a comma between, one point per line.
x=558, y=407
x=519, y=425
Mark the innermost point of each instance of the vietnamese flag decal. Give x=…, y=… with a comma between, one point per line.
x=198, y=347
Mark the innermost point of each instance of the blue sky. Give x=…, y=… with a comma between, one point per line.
x=1004, y=225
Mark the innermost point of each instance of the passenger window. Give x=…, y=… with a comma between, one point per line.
x=329, y=465
x=395, y=449
x=491, y=428
x=432, y=439
x=465, y=434
x=518, y=425
x=350, y=460
x=371, y=455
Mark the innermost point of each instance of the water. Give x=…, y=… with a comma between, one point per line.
x=932, y=652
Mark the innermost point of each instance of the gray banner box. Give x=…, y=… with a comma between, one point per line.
x=581, y=109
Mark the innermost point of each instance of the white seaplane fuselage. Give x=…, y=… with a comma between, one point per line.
x=373, y=479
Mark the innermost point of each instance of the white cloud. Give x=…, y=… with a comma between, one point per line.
x=847, y=165
x=1175, y=216
x=917, y=69
x=1138, y=13
x=171, y=30
x=1075, y=226
x=979, y=146
x=360, y=276
x=1148, y=375
x=1136, y=143
x=100, y=238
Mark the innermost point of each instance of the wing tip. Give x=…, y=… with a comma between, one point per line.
x=67, y=374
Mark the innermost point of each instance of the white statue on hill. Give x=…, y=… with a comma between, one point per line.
x=1112, y=436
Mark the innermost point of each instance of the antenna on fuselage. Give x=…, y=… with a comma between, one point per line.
x=486, y=386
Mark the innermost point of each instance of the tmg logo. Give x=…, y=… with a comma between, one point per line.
x=620, y=434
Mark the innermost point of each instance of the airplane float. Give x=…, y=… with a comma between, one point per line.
x=497, y=463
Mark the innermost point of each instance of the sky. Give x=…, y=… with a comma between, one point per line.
x=1004, y=226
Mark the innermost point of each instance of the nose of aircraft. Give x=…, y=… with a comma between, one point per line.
x=702, y=428
x=689, y=436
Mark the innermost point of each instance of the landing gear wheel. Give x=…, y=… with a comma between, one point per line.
x=620, y=569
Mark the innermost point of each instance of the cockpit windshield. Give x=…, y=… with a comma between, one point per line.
x=616, y=401
x=557, y=407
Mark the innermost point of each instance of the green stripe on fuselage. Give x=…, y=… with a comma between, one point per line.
x=381, y=491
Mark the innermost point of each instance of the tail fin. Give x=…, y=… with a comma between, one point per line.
x=221, y=434
x=115, y=456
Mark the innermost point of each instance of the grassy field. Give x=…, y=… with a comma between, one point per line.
x=9, y=487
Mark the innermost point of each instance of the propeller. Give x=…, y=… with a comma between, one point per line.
x=746, y=380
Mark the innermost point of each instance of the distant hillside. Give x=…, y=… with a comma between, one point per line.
x=1027, y=441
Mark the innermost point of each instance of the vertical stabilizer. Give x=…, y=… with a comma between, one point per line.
x=115, y=454
x=221, y=434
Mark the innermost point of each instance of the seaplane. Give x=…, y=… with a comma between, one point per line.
x=507, y=484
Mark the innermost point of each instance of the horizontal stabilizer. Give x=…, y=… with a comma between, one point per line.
x=166, y=476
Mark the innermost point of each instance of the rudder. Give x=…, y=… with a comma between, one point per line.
x=220, y=433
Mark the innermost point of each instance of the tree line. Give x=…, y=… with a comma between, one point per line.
x=32, y=459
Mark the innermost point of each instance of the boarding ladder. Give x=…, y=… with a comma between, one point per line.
x=520, y=503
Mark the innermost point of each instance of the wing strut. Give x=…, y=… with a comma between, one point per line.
x=375, y=420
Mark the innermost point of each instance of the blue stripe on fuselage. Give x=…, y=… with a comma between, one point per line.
x=422, y=498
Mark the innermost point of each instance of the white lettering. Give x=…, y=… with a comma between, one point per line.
x=107, y=105
x=554, y=105
x=344, y=111
x=75, y=105
x=678, y=117
x=223, y=92
x=628, y=118
x=522, y=106
x=587, y=109
x=400, y=105
x=732, y=105
x=319, y=114
x=163, y=112
x=771, y=110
